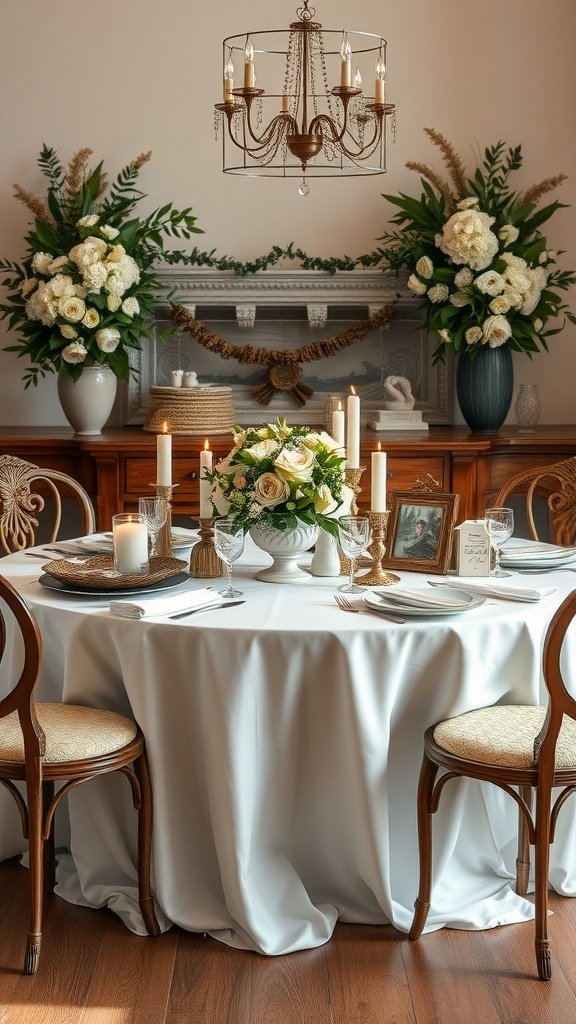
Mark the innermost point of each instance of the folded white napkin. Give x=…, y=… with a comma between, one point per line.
x=148, y=607
x=418, y=598
x=506, y=592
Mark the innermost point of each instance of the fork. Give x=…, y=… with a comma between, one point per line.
x=346, y=606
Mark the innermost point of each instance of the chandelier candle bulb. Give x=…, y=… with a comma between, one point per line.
x=249, y=78
x=346, y=63
x=205, y=485
x=339, y=426
x=228, y=81
x=378, y=480
x=353, y=430
x=380, y=83
x=164, y=458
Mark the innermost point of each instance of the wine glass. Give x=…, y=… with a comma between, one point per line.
x=354, y=534
x=500, y=526
x=154, y=512
x=229, y=544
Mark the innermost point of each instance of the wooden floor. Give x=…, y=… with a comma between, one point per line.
x=95, y=972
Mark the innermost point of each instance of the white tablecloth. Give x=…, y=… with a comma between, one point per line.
x=285, y=739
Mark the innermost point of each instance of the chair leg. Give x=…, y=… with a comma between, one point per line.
x=523, y=854
x=428, y=774
x=49, y=845
x=36, y=874
x=145, y=897
x=541, y=873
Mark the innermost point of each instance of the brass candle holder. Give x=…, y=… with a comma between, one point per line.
x=352, y=477
x=204, y=562
x=164, y=538
x=376, y=575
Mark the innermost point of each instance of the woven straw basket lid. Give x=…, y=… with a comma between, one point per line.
x=193, y=411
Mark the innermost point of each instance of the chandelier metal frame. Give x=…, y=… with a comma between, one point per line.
x=310, y=128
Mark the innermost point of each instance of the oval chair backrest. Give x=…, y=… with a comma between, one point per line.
x=20, y=697
x=20, y=505
x=557, y=482
x=561, y=702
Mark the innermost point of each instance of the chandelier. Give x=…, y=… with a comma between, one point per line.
x=319, y=122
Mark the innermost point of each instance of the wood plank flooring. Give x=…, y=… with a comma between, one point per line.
x=93, y=971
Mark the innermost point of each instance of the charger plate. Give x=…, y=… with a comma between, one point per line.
x=97, y=572
x=380, y=603
x=66, y=588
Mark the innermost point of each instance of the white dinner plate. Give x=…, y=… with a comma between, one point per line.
x=457, y=602
x=51, y=583
x=102, y=542
x=541, y=556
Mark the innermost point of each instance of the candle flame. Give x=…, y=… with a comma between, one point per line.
x=165, y=427
x=206, y=445
x=339, y=406
x=352, y=389
x=379, y=446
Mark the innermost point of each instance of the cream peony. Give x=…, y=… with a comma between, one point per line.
x=107, y=339
x=89, y=251
x=270, y=490
x=131, y=306
x=438, y=293
x=295, y=464
x=466, y=238
x=496, y=330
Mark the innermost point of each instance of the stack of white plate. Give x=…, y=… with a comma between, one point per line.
x=536, y=555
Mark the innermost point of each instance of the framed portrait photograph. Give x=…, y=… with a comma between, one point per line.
x=419, y=531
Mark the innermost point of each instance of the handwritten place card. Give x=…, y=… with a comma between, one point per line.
x=473, y=551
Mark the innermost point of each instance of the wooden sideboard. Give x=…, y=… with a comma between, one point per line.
x=119, y=465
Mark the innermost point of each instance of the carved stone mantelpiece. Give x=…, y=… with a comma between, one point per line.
x=293, y=308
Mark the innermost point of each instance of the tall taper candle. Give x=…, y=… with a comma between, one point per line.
x=378, y=480
x=339, y=426
x=205, y=485
x=353, y=430
x=164, y=457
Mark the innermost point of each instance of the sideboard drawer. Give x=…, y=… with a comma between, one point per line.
x=141, y=472
x=404, y=472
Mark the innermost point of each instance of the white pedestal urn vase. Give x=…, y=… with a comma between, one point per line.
x=285, y=547
x=87, y=402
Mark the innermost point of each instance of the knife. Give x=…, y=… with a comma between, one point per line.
x=210, y=608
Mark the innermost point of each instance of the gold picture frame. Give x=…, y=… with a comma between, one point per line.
x=419, y=533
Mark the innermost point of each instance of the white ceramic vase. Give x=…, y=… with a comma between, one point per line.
x=285, y=547
x=87, y=402
x=326, y=557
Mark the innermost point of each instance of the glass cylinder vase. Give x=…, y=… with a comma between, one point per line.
x=527, y=408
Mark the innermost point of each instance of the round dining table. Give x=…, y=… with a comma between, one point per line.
x=285, y=739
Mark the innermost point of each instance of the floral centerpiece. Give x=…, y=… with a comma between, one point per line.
x=281, y=476
x=85, y=292
x=476, y=255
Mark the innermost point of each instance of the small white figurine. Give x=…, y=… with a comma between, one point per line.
x=399, y=393
x=190, y=379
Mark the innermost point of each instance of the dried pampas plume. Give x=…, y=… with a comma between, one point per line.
x=439, y=183
x=451, y=159
x=533, y=194
x=140, y=160
x=76, y=170
x=37, y=206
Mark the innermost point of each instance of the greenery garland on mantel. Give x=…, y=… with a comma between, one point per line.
x=198, y=258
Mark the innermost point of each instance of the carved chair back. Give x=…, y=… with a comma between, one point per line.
x=557, y=484
x=21, y=502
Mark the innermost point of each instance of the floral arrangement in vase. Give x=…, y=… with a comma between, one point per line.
x=281, y=476
x=476, y=255
x=85, y=292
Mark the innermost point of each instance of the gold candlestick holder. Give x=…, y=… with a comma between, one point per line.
x=164, y=538
x=352, y=477
x=204, y=562
x=376, y=575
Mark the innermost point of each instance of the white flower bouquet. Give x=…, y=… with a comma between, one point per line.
x=86, y=291
x=278, y=475
x=476, y=255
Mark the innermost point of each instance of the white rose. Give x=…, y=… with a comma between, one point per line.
x=490, y=283
x=113, y=302
x=312, y=440
x=108, y=339
x=88, y=221
x=41, y=261
x=91, y=318
x=467, y=204
x=28, y=286
x=416, y=285
x=262, y=449
x=445, y=336
x=68, y=332
x=459, y=299
x=508, y=234
x=71, y=308
x=425, y=267
x=295, y=464
x=496, y=330
x=466, y=238
x=131, y=306
x=57, y=264
x=473, y=335
x=270, y=490
x=74, y=353
x=438, y=293
x=324, y=502
x=499, y=305
x=109, y=232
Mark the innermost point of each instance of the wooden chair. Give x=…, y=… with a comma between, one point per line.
x=519, y=749
x=20, y=503
x=557, y=483
x=41, y=744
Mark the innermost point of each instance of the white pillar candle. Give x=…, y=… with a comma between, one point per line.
x=205, y=485
x=130, y=541
x=164, y=458
x=339, y=426
x=353, y=430
x=378, y=480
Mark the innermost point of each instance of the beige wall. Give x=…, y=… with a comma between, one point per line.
x=137, y=75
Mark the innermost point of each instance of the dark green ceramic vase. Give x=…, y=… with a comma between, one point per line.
x=484, y=385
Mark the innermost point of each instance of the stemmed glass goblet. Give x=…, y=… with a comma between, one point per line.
x=154, y=512
x=500, y=526
x=354, y=534
x=229, y=545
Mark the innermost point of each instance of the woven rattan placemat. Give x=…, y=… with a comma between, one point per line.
x=97, y=572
